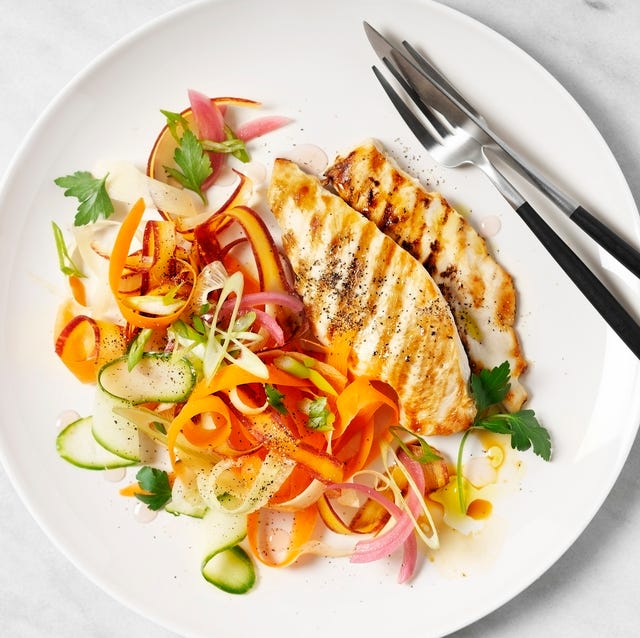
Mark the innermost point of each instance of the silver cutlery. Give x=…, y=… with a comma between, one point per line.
x=443, y=97
x=447, y=139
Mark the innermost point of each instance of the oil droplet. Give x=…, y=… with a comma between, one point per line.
x=66, y=418
x=490, y=226
x=143, y=514
x=492, y=440
x=447, y=496
x=114, y=475
x=479, y=509
x=309, y=157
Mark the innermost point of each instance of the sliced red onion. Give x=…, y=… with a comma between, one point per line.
x=268, y=297
x=401, y=534
x=384, y=544
x=260, y=126
x=409, y=559
x=379, y=546
x=210, y=123
x=372, y=493
x=270, y=325
x=414, y=468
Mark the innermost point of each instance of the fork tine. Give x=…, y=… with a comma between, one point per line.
x=425, y=137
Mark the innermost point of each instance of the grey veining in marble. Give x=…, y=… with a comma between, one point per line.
x=591, y=47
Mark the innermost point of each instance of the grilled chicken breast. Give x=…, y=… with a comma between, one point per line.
x=479, y=291
x=359, y=285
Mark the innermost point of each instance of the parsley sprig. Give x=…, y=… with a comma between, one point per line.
x=489, y=388
x=91, y=193
x=156, y=486
x=191, y=153
x=194, y=165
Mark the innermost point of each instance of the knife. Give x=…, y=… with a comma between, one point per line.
x=435, y=90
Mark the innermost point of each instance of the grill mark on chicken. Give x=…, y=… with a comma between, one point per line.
x=359, y=284
x=479, y=291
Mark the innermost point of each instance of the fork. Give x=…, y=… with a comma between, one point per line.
x=451, y=146
x=442, y=96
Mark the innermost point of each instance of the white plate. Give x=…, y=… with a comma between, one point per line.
x=314, y=65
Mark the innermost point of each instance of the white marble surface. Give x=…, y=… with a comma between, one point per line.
x=591, y=47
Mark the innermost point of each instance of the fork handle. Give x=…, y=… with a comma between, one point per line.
x=612, y=243
x=623, y=324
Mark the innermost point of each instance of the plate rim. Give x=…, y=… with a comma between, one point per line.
x=140, y=33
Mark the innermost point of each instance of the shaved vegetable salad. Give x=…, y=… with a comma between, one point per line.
x=183, y=315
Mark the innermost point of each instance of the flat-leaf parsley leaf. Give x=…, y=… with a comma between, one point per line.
x=193, y=162
x=524, y=429
x=156, y=486
x=91, y=193
x=489, y=388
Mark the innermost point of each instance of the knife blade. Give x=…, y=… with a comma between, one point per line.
x=437, y=92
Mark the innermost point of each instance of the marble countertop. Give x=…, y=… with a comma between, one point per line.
x=591, y=48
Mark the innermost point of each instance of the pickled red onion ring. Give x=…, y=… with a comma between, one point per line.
x=409, y=559
x=270, y=325
x=379, y=546
x=401, y=533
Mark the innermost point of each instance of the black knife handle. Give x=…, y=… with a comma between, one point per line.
x=626, y=254
x=624, y=325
